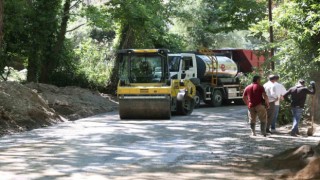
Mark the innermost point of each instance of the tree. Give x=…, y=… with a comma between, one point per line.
x=207, y=20
x=14, y=38
x=297, y=39
x=142, y=24
x=1, y=22
x=43, y=25
x=51, y=62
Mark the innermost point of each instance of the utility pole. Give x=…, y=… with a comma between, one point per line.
x=271, y=32
x=1, y=22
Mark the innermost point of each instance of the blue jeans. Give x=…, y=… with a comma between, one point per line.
x=276, y=113
x=296, y=113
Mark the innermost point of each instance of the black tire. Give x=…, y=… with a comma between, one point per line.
x=238, y=102
x=216, y=98
x=197, y=99
x=185, y=107
x=227, y=102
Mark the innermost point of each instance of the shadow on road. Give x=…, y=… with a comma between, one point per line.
x=212, y=143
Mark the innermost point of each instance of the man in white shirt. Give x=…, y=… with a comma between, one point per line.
x=280, y=90
x=271, y=93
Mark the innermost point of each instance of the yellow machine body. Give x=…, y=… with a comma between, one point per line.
x=152, y=100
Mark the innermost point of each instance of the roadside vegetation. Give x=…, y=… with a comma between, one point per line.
x=46, y=46
x=73, y=42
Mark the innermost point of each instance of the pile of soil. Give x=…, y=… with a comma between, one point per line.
x=26, y=107
x=73, y=102
x=297, y=163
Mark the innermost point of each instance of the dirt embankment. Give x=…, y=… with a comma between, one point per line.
x=25, y=107
x=297, y=163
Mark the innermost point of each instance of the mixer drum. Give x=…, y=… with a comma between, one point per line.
x=226, y=68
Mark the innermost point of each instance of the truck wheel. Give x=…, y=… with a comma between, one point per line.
x=197, y=99
x=226, y=102
x=239, y=102
x=185, y=107
x=216, y=98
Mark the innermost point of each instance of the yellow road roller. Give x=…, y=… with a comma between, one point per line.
x=145, y=90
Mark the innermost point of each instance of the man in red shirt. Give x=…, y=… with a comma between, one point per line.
x=253, y=96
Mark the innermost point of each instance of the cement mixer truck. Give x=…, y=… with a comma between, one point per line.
x=214, y=76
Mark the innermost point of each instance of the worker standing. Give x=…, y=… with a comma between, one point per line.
x=280, y=91
x=253, y=97
x=272, y=96
x=298, y=97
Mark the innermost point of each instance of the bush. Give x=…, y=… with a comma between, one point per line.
x=95, y=62
x=285, y=115
x=86, y=66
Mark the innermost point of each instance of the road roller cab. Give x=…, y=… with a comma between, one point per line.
x=145, y=90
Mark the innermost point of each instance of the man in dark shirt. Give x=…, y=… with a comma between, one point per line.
x=298, y=95
x=253, y=97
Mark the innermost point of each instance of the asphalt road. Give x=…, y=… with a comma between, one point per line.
x=212, y=143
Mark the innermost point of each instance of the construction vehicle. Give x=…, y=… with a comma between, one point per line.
x=145, y=90
x=246, y=59
x=215, y=77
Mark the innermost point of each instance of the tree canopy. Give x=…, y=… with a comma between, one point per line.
x=297, y=36
x=73, y=42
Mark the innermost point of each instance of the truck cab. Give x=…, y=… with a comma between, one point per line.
x=182, y=66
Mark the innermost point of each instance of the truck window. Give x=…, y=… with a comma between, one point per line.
x=187, y=63
x=174, y=63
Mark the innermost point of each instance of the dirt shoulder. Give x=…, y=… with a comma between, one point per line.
x=34, y=105
x=300, y=162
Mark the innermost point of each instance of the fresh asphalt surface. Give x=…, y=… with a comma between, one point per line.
x=212, y=143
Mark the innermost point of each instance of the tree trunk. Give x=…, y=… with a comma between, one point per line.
x=49, y=66
x=1, y=21
x=63, y=28
x=32, y=68
x=126, y=42
x=316, y=76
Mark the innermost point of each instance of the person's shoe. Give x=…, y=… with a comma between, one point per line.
x=263, y=128
x=273, y=131
x=268, y=131
x=294, y=135
x=253, y=129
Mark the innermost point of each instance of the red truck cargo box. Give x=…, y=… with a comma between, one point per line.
x=246, y=59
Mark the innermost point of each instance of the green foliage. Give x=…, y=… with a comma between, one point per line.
x=229, y=15
x=73, y=72
x=285, y=115
x=98, y=17
x=143, y=24
x=297, y=33
x=93, y=62
x=297, y=39
x=35, y=39
x=246, y=79
x=102, y=36
x=206, y=22
x=13, y=51
x=30, y=32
